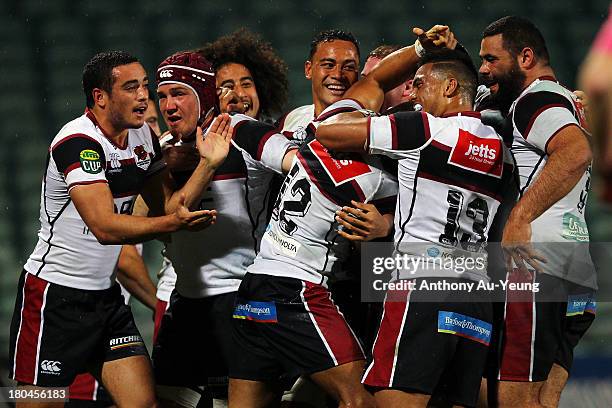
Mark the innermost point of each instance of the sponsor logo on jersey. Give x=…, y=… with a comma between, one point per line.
x=574, y=228
x=126, y=341
x=433, y=251
x=166, y=73
x=262, y=312
x=50, y=367
x=478, y=154
x=464, y=326
x=342, y=167
x=142, y=157
x=90, y=161
x=287, y=246
x=114, y=163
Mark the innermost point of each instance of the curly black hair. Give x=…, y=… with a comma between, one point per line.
x=268, y=69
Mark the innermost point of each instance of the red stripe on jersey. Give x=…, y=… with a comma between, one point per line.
x=313, y=178
x=263, y=142
x=467, y=186
x=333, y=112
x=358, y=190
x=367, y=141
x=84, y=183
x=26, y=351
x=517, y=343
x=74, y=136
x=335, y=331
x=537, y=113
x=160, y=310
x=386, y=345
x=426, y=126
x=394, y=142
x=471, y=114
x=440, y=146
x=71, y=167
x=83, y=387
x=229, y=176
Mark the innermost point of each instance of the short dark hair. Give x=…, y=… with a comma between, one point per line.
x=459, y=64
x=268, y=69
x=331, y=35
x=383, y=50
x=518, y=33
x=98, y=72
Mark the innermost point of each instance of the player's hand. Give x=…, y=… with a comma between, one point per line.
x=517, y=247
x=214, y=146
x=437, y=37
x=181, y=158
x=229, y=101
x=193, y=220
x=363, y=222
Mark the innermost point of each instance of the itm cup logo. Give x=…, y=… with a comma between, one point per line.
x=90, y=161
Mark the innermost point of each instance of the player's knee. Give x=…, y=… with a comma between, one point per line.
x=358, y=400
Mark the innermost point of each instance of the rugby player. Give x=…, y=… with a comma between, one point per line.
x=194, y=341
x=450, y=331
x=69, y=314
x=332, y=67
x=249, y=66
x=546, y=125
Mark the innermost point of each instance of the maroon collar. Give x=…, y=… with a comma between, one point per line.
x=471, y=114
x=90, y=115
x=548, y=78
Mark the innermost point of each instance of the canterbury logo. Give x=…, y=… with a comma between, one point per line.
x=52, y=366
x=166, y=73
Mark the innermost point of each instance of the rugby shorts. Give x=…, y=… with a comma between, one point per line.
x=579, y=315
x=194, y=342
x=529, y=329
x=58, y=332
x=434, y=345
x=286, y=328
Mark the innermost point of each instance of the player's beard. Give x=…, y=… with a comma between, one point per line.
x=509, y=87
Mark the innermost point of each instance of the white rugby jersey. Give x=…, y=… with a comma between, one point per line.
x=452, y=174
x=301, y=240
x=294, y=124
x=67, y=253
x=542, y=110
x=538, y=114
x=213, y=261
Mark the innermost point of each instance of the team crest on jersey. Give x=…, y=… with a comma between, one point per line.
x=478, y=154
x=341, y=168
x=90, y=161
x=142, y=157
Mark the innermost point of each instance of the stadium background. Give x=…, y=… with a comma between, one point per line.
x=44, y=45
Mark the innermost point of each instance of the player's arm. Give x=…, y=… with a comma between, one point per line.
x=263, y=143
x=398, y=67
x=132, y=273
x=95, y=205
x=569, y=156
x=213, y=149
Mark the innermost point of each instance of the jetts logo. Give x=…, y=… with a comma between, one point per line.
x=50, y=367
x=90, y=161
x=142, y=157
x=478, y=154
